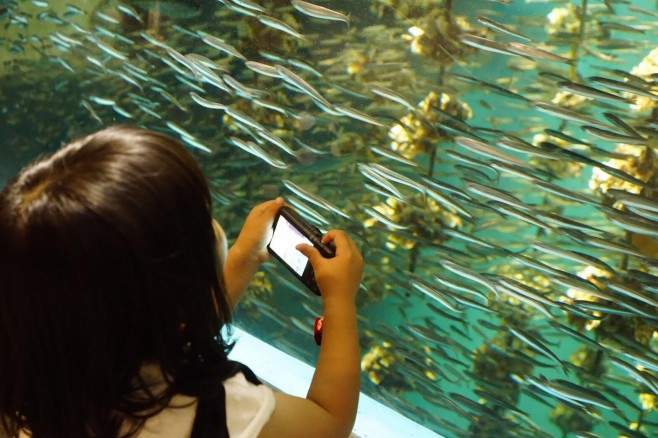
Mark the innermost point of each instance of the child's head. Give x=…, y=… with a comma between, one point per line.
x=108, y=260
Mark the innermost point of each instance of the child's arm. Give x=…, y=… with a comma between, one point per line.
x=250, y=249
x=329, y=409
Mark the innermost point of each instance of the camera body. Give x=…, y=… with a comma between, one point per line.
x=289, y=230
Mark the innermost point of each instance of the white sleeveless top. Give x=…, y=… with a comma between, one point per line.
x=248, y=408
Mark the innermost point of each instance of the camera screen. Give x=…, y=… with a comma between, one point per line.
x=283, y=243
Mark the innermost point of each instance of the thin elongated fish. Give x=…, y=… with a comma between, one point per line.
x=633, y=223
x=384, y=219
x=280, y=25
x=606, y=244
x=565, y=137
x=534, y=52
x=91, y=110
x=643, y=376
x=397, y=177
x=304, y=66
x=206, y=103
x=319, y=11
x=564, y=193
x=574, y=256
x=591, y=92
x=633, y=200
x=567, y=114
x=513, y=170
x=486, y=44
x=392, y=95
x=262, y=69
x=536, y=345
x=182, y=60
x=239, y=9
x=495, y=195
x=248, y=4
x=492, y=24
x=276, y=141
x=302, y=207
x=313, y=198
x=517, y=144
x=621, y=124
x=130, y=11
x=295, y=80
x=470, y=161
x=109, y=49
x=241, y=89
x=254, y=149
x=390, y=189
x=521, y=294
x=393, y=156
x=605, y=168
x=623, y=86
x=220, y=44
x=436, y=294
x=514, y=212
x=446, y=201
x=581, y=285
x=572, y=393
x=195, y=143
x=238, y=115
x=453, y=232
x=604, y=134
x=456, y=285
x=356, y=114
x=489, y=151
x=204, y=61
x=465, y=272
x=630, y=292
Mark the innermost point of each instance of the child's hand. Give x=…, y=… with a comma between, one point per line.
x=257, y=230
x=338, y=277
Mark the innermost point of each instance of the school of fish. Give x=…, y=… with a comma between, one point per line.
x=494, y=159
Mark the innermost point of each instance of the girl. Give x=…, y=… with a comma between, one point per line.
x=115, y=282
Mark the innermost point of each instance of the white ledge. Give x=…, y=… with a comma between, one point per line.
x=292, y=376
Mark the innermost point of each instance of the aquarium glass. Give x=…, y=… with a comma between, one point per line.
x=494, y=160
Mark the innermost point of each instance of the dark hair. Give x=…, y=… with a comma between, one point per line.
x=108, y=262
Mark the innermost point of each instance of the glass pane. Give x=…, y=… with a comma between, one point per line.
x=493, y=159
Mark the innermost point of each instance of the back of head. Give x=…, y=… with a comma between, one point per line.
x=108, y=262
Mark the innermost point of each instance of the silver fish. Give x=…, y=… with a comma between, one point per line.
x=130, y=11
x=248, y=4
x=254, y=149
x=436, y=294
x=313, y=198
x=534, y=52
x=262, y=69
x=356, y=114
x=220, y=44
x=206, y=103
x=574, y=256
x=487, y=44
x=591, y=92
x=392, y=95
x=280, y=25
x=483, y=148
x=277, y=141
x=492, y=24
x=296, y=81
x=535, y=344
x=319, y=11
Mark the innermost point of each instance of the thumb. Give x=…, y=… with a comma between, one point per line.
x=309, y=251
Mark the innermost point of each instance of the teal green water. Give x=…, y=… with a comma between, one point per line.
x=475, y=319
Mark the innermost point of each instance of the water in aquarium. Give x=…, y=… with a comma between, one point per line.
x=494, y=160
